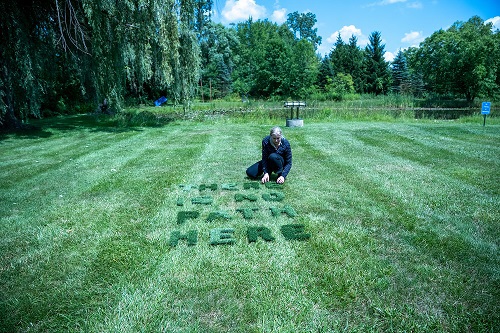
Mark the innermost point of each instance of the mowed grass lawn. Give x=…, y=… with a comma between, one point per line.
x=403, y=222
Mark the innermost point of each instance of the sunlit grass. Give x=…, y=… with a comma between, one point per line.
x=403, y=220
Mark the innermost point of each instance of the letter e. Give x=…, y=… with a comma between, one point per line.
x=220, y=236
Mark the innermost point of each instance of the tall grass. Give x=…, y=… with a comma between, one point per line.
x=355, y=108
x=403, y=220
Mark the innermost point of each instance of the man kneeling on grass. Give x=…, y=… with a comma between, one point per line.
x=276, y=157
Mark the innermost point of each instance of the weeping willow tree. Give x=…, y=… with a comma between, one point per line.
x=188, y=69
x=108, y=47
x=27, y=49
x=140, y=42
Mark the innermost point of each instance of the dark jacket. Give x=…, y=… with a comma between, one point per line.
x=284, y=150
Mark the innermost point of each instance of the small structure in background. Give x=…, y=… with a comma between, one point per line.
x=160, y=101
x=294, y=122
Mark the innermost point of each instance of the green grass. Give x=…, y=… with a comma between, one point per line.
x=403, y=218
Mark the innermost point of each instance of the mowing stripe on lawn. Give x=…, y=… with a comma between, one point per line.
x=403, y=220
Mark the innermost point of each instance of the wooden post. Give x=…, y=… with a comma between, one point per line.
x=202, y=97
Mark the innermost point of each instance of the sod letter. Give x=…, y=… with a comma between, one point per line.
x=218, y=216
x=221, y=236
x=247, y=212
x=240, y=197
x=229, y=187
x=288, y=210
x=191, y=237
x=248, y=186
x=184, y=215
x=273, y=196
x=253, y=233
x=294, y=231
x=212, y=187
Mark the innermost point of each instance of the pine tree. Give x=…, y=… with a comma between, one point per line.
x=326, y=73
x=400, y=74
x=339, y=56
x=355, y=55
x=377, y=75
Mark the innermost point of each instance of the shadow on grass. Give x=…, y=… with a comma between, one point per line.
x=32, y=132
x=118, y=123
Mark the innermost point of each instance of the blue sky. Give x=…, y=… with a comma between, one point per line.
x=402, y=23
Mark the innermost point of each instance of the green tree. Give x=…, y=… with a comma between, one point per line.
x=405, y=80
x=188, y=72
x=246, y=61
x=476, y=56
x=203, y=16
x=341, y=85
x=326, y=73
x=416, y=75
x=271, y=61
x=302, y=25
x=109, y=47
x=28, y=60
x=261, y=57
x=218, y=49
x=377, y=75
x=304, y=70
x=339, y=56
x=356, y=64
x=462, y=60
x=272, y=74
x=348, y=59
x=400, y=74
x=274, y=68
x=491, y=86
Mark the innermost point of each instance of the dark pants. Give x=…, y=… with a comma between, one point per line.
x=274, y=164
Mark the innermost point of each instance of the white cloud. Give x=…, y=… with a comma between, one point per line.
x=495, y=21
x=413, y=38
x=415, y=5
x=346, y=33
x=385, y=2
x=324, y=49
x=279, y=15
x=240, y=10
x=390, y=2
x=389, y=56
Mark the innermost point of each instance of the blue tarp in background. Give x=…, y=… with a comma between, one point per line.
x=160, y=101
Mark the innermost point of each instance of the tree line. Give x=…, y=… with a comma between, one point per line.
x=57, y=55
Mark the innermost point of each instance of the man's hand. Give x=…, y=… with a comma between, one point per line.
x=280, y=180
x=265, y=178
